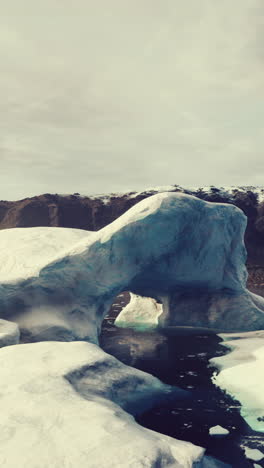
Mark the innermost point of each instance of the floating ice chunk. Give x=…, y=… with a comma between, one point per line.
x=218, y=430
x=253, y=454
x=241, y=374
x=24, y=251
x=140, y=313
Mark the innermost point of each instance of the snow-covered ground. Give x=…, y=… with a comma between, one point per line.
x=241, y=374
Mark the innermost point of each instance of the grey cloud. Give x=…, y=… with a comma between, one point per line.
x=119, y=95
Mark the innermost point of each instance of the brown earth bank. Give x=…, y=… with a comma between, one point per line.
x=70, y=211
x=93, y=213
x=256, y=279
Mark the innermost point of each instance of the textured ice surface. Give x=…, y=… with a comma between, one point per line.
x=185, y=252
x=9, y=333
x=140, y=313
x=62, y=407
x=24, y=251
x=241, y=374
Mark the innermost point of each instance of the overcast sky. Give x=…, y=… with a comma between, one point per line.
x=113, y=95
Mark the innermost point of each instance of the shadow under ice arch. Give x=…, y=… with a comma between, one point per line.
x=187, y=253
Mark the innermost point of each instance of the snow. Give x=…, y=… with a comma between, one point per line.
x=218, y=430
x=184, y=252
x=225, y=191
x=138, y=212
x=157, y=189
x=228, y=190
x=140, y=313
x=63, y=408
x=241, y=374
x=24, y=251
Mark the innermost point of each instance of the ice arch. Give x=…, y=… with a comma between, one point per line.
x=187, y=253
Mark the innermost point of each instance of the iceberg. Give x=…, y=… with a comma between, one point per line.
x=186, y=253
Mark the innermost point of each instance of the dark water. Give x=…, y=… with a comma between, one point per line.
x=182, y=360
